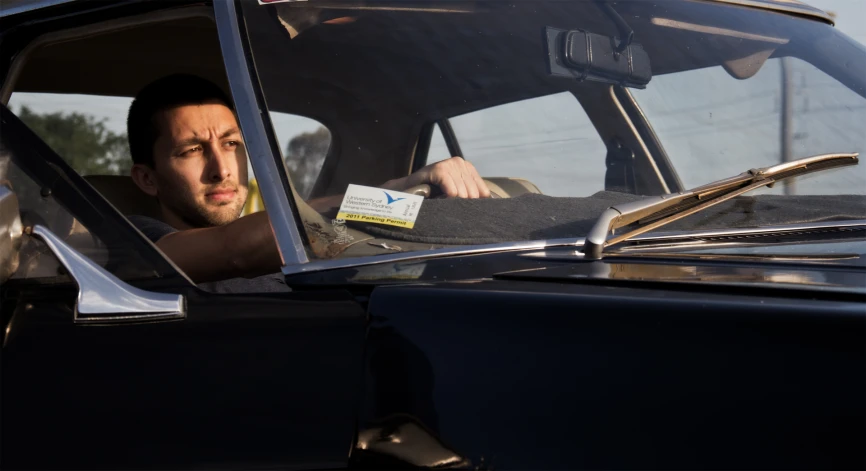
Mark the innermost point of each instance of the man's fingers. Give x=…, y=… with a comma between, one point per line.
x=451, y=170
x=448, y=186
x=462, y=191
x=471, y=185
x=456, y=178
x=474, y=183
x=456, y=167
x=465, y=171
x=483, y=191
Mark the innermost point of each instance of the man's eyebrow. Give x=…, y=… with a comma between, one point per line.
x=230, y=132
x=191, y=141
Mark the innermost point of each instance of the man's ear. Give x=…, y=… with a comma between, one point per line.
x=145, y=178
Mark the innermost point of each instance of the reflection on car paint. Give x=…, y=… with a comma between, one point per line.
x=394, y=271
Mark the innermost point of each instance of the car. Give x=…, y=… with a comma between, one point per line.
x=621, y=301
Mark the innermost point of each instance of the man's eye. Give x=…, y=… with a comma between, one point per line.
x=194, y=150
x=232, y=143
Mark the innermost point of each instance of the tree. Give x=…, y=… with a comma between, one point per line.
x=82, y=140
x=305, y=155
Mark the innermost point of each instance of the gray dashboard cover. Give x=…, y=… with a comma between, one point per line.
x=540, y=217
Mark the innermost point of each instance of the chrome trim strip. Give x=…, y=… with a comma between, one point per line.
x=798, y=8
x=102, y=297
x=760, y=230
x=28, y=5
x=667, y=167
x=421, y=254
x=315, y=266
x=11, y=230
x=639, y=139
x=716, y=31
x=663, y=253
x=266, y=166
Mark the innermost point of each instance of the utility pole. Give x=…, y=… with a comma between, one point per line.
x=786, y=134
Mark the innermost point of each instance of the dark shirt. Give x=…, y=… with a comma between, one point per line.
x=154, y=230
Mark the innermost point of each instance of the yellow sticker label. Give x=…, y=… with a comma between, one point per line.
x=376, y=219
x=378, y=206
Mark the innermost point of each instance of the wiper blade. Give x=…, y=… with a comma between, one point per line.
x=651, y=213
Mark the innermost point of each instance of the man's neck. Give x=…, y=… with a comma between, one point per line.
x=169, y=217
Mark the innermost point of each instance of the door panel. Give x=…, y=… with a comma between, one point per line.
x=245, y=381
x=558, y=376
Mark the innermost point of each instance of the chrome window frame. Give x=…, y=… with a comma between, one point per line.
x=268, y=166
x=23, y=6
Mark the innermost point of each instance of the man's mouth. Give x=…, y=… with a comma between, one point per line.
x=221, y=195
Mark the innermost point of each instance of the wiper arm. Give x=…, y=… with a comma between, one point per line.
x=654, y=212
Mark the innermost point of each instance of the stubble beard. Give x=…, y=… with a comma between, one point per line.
x=201, y=214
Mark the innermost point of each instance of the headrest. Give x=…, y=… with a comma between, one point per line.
x=125, y=195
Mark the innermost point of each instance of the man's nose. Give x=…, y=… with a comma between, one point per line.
x=219, y=165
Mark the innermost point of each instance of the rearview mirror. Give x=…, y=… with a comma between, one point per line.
x=588, y=56
x=10, y=233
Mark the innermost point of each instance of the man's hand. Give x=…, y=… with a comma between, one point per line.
x=455, y=177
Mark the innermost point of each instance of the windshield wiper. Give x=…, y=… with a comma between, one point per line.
x=651, y=213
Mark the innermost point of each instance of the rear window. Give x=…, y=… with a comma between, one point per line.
x=547, y=140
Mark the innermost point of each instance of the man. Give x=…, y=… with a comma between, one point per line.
x=188, y=153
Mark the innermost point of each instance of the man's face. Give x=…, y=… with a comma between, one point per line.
x=200, y=165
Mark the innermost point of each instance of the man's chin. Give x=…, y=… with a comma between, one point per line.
x=218, y=214
x=219, y=218
x=200, y=213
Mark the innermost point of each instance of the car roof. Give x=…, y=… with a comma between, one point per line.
x=13, y=7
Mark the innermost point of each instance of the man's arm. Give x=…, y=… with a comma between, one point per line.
x=455, y=177
x=247, y=248
x=242, y=248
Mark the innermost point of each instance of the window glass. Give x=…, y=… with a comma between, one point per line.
x=547, y=140
x=713, y=125
x=305, y=143
x=376, y=76
x=48, y=198
x=37, y=209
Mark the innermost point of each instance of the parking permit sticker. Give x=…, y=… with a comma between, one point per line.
x=369, y=204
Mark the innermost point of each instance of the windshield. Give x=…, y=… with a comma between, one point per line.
x=537, y=96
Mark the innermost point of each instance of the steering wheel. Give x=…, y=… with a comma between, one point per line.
x=426, y=190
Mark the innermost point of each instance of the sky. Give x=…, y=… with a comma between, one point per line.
x=497, y=142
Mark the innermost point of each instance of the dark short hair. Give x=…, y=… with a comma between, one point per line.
x=162, y=94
